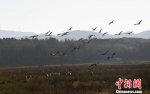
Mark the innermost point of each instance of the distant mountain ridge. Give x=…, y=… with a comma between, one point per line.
x=76, y=34
x=14, y=34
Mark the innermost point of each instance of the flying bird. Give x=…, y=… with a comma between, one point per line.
x=94, y=28
x=88, y=41
x=111, y=22
x=79, y=46
x=100, y=31
x=90, y=36
x=80, y=39
x=49, y=34
x=57, y=52
x=65, y=33
x=52, y=54
x=105, y=52
x=108, y=58
x=70, y=28
x=58, y=34
x=113, y=55
x=129, y=33
x=64, y=53
x=73, y=49
x=34, y=36
x=104, y=33
x=138, y=23
x=119, y=33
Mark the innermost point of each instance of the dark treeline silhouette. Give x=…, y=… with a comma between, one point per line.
x=31, y=52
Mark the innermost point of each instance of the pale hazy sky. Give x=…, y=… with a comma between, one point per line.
x=59, y=15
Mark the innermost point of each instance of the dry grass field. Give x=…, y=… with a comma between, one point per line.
x=72, y=79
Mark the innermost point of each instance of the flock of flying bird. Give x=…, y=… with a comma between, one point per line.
x=64, y=53
x=89, y=39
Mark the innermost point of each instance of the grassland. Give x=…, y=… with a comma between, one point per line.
x=84, y=79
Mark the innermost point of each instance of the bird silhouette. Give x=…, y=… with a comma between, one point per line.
x=111, y=22
x=79, y=46
x=90, y=36
x=113, y=55
x=100, y=31
x=80, y=39
x=49, y=34
x=138, y=23
x=104, y=33
x=64, y=53
x=52, y=54
x=94, y=28
x=73, y=49
x=70, y=28
x=105, y=52
x=93, y=64
x=58, y=34
x=57, y=52
x=108, y=58
x=65, y=33
x=119, y=33
x=88, y=41
x=34, y=36
x=129, y=33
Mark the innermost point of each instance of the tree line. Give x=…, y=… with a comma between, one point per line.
x=31, y=52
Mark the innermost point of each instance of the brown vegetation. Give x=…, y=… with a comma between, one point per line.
x=81, y=80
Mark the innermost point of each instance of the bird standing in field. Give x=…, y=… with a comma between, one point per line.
x=93, y=64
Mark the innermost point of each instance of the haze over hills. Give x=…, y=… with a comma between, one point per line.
x=14, y=34
x=84, y=34
x=76, y=34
